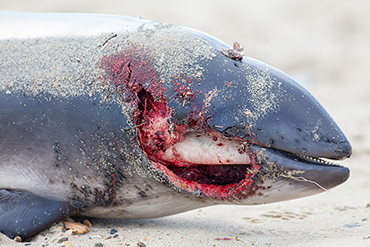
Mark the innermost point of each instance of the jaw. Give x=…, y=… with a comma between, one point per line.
x=287, y=176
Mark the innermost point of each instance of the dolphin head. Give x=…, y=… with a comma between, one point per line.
x=236, y=130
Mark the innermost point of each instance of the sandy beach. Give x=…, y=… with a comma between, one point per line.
x=325, y=45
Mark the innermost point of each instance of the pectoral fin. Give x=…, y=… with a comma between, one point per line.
x=24, y=214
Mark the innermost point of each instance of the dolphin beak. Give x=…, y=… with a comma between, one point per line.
x=286, y=176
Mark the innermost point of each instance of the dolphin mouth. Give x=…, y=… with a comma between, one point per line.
x=320, y=172
x=204, y=162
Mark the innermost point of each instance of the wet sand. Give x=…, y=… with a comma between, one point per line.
x=323, y=45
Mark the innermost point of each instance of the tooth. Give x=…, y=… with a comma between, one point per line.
x=319, y=160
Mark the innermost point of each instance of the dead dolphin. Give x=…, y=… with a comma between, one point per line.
x=118, y=117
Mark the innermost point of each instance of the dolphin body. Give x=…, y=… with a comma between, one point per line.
x=117, y=117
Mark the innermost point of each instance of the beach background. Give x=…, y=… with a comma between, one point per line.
x=325, y=45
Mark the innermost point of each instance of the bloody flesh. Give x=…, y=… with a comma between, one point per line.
x=138, y=82
x=215, y=174
x=157, y=134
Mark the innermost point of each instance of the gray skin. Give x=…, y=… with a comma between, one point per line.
x=69, y=137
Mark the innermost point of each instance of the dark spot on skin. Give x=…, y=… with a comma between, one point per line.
x=299, y=129
x=80, y=203
x=272, y=141
x=214, y=138
x=220, y=144
x=141, y=192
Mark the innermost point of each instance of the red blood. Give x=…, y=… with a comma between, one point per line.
x=131, y=69
x=132, y=72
